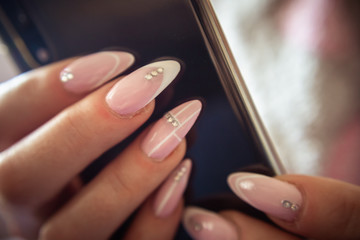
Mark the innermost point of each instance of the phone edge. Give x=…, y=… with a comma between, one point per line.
x=233, y=82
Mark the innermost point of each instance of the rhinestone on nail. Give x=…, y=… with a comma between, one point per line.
x=66, y=76
x=154, y=73
x=148, y=76
x=294, y=207
x=197, y=227
x=171, y=119
x=289, y=205
x=180, y=174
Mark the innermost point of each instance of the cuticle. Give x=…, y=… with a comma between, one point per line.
x=300, y=213
x=131, y=115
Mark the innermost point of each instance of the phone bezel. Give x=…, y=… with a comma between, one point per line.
x=234, y=84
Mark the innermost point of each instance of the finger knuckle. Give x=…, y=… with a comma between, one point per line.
x=11, y=183
x=48, y=232
x=12, y=194
x=120, y=183
x=342, y=213
x=349, y=216
x=75, y=123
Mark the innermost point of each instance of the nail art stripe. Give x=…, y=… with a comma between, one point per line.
x=136, y=90
x=163, y=137
x=165, y=75
x=181, y=124
x=67, y=73
x=170, y=72
x=110, y=74
x=171, y=191
x=89, y=72
x=166, y=198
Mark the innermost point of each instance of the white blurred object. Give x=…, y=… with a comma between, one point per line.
x=280, y=92
x=8, y=68
x=305, y=100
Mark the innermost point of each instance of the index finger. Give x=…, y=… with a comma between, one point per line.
x=32, y=98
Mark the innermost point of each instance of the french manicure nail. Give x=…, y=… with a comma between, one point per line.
x=274, y=197
x=170, y=193
x=168, y=132
x=205, y=225
x=137, y=89
x=89, y=72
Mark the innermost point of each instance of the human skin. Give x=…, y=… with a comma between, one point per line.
x=299, y=206
x=325, y=209
x=44, y=141
x=52, y=129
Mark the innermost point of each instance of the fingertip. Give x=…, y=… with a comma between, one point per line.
x=146, y=225
x=277, y=198
x=202, y=224
x=172, y=189
x=313, y=207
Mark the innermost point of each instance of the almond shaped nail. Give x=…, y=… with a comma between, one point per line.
x=202, y=224
x=171, y=191
x=140, y=87
x=277, y=198
x=89, y=72
x=168, y=132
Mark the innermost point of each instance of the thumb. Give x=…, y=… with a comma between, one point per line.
x=313, y=207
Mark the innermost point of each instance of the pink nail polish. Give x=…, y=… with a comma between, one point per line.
x=89, y=72
x=274, y=197
x=137, y=89
x=170, y=193
x=168, y=132
x=205, y=225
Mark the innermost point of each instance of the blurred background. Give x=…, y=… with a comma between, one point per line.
x=8, y=69
x=300, y=62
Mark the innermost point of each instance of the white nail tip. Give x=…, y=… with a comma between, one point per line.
x=171, y=70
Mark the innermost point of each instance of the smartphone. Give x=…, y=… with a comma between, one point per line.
x=228, y=136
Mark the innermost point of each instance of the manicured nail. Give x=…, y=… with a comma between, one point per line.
x=274, y=197
x=89, y=72
x=205, y=225
x=137, y=89
x=170, y=193
x=168, y=132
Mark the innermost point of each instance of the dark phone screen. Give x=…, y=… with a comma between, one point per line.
x=218, y=144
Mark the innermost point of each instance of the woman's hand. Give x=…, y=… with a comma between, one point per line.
x=300, y=206
x=51, y=130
